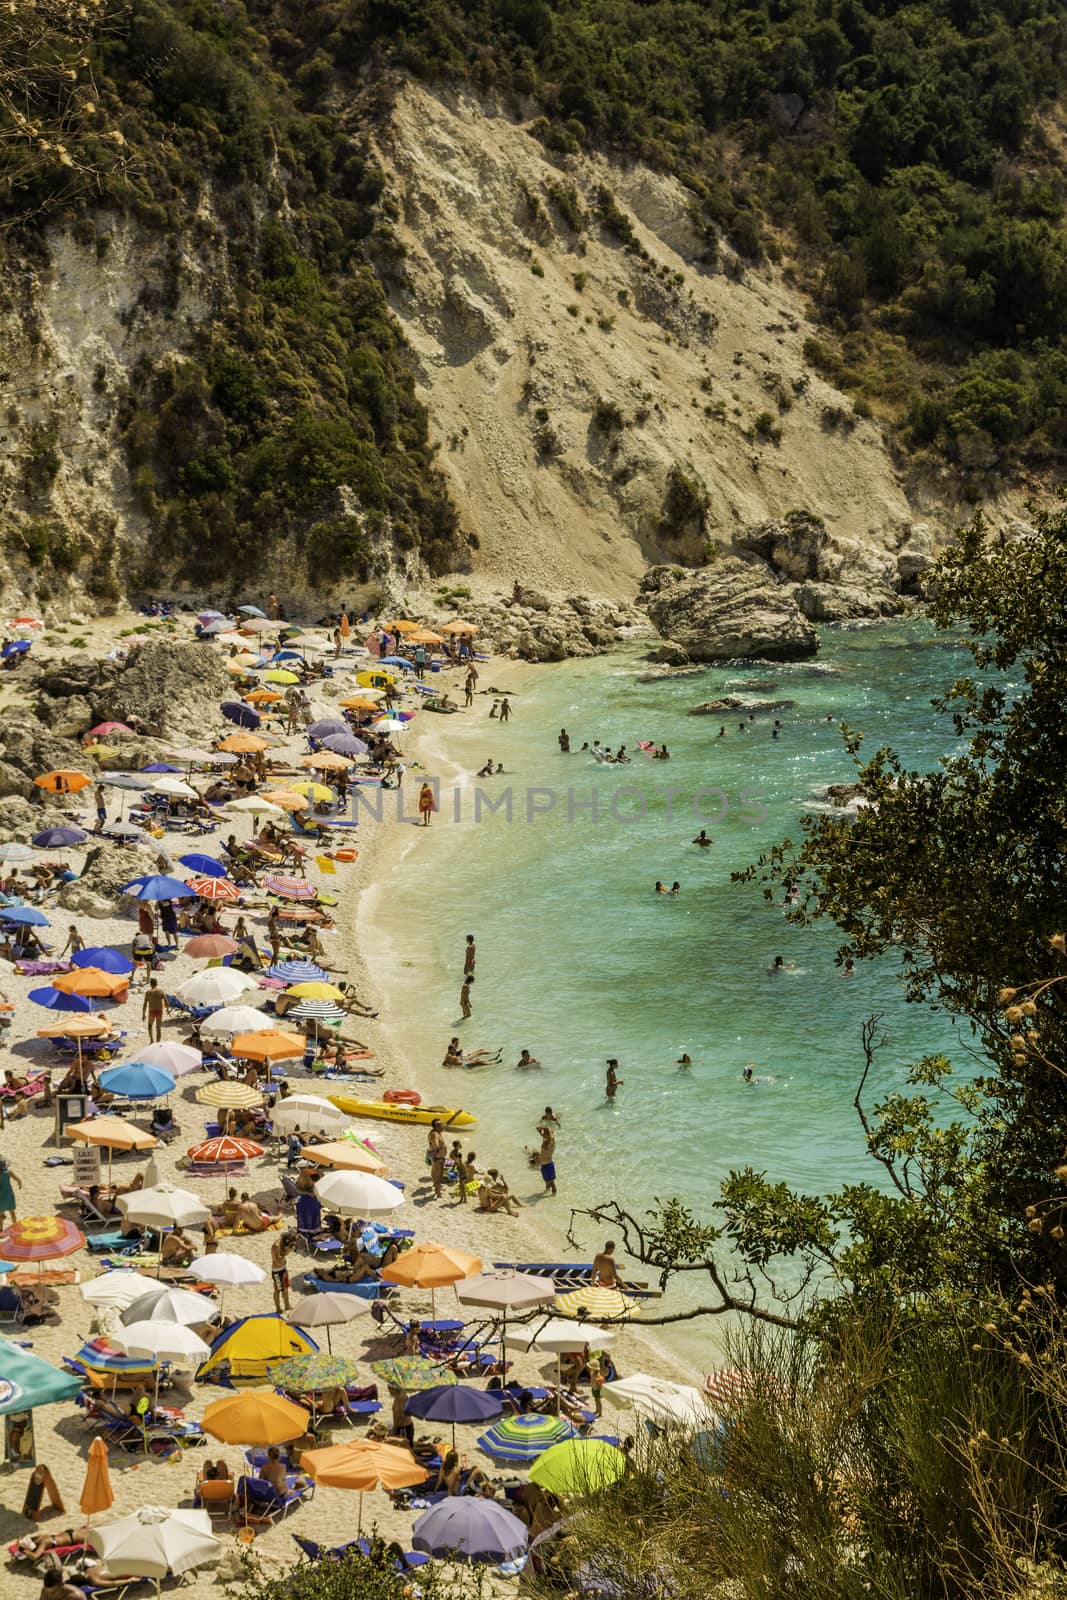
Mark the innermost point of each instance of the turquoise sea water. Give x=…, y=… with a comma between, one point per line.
x=579, y=959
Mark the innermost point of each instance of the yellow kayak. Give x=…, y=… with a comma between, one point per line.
x=397, y=1111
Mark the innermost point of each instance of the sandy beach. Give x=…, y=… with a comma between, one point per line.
x=367, y=947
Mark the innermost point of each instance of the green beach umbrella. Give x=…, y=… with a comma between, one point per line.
x=412, y=1373
x=525, y=1437
x=26, y=1381
x=580, y=1466
x=318, y=1370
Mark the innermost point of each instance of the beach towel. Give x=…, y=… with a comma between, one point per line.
x=40, y=969
x=241, y=1231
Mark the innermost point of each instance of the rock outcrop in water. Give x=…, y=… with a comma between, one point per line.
x=730, y=610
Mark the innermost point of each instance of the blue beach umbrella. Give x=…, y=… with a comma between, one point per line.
x=454, y=1404
x=298, y=972
x=525, y=1437
x=345, y=744
x=203, y=866
x=59, y=838
x=56, y=1000
x=286, y=655
x=237, y=711
x=25, y=917
x=8, y=1266
x=327, y=725
x=211, y=616
x=468, y=1528
x=137, y=1080
x=103, y=957
x=398, y=661
x=160, y=766
x=16, y=647
x=157, y=887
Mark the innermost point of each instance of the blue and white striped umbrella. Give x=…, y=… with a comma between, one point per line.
x=317, y=1011
x=298, y=972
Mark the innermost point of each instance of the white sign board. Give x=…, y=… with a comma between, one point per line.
x=86, y=1164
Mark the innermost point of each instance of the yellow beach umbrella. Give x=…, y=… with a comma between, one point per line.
x=288, y=799
x=315, y=989
x=229, y=1096
x=424, y=636
x=314, y=791
x=368, y=701
x=280, y=675
x=345, y=1158
x=326, y=761
x=100, y=751
x=375, y=678
x=402, y=626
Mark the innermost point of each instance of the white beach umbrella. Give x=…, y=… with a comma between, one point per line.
x=359, y=1194
x=167, y=1341
x=117, y=1289
x=252, y=805
x=215, y=987
x=307, y=1113
x=557, y=1336
x=176, y=787
x=162, y=1303
x=165, y=1206
x=154, y=1541
x=237, y=1019
x=172, y=1057
x=506, y=1291
x=659, y=1400
x=226, y=1270
x=327, y=1310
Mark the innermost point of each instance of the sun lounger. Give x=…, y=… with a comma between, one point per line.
x=258, y=1501
x=367, y=1288
x=216, y=1496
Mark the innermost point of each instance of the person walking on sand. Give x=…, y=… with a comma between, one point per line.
x=101, y=809
x=546, y=1157
x=468, y=684
x=465, y=996
x=470, y=956
x=427, y=804
x=7, y=1193
x=155, y=1003
x=435, y=1149
x=279, y=1272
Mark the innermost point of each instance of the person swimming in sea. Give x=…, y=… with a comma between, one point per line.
x=749, y=1073
x=526, y=1062
x=661, y=888
x=780, y=964
x=675, y=888
x=684, y=1061
x=702, y=839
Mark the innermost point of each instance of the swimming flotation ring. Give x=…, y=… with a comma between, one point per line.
x=402, y=1097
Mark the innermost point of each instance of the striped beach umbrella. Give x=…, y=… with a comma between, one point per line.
x=289, y=888
x=318, y=1012
x=229, y=1096
x=596, y=1304
x=40, y=1239
x=524, y=1438
x=292, y=972
x=214, y=889
x=731, y=1387
x=225, y=1148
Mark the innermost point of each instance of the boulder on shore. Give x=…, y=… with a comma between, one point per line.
x=730, y=610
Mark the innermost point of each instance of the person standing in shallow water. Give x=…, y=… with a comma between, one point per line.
x=613, y=1081
x=470, y=956
x=465, y=996
x=546, y=1157
x=565, y=741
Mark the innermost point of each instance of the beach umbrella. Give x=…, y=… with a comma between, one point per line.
x=158, y=767
x=328, y=1310
x=212, y=628
x=367, y=701
x=125, y=780
x=290, y=888
x=506, y=1292
x=281, y=675
x=732, y=1387
x=458, y=626
x=111, y=1134
x=104, y=730
x=154, y=1541
x=266, y=1044
x=658, y=1399
x=203, y=866
x=236, y=711
x=229, y=1096
x=454, y=1403
x=344, y=1158
x=177, y=1059
x=252, y=611
x=259, y=1417
x=26, y=622
x=470, y=1529
x=327, y=725
x=137, y=1080
x=264, y=697
x=212, y=946
x=97, y=1493
x=425, y=636
x=313, y=790
x=317, y=1012
x=28, y=1381
x=14, y=852
x=227, y=1272
x=345, y=744
x=104, y=959
x=40, y=1239
x=100, y=752
x=398, y=661
x=176, y=787
x=163, y=1206
x=236, y=1019
x=55, y=1000
x=253, y=805
x=215, y=987
x=25, y=917
x=218, y=889
x=389, y=725
x=431, y=1266
x=224, y=1148
x=359, y=1194
x=580, y=1466
x=363, y=1465
x=59, y=838
x=163, y=1303
x=63, y=781
x=412, y=1373
x=157, y=887
x=211, y=616
x=307, y=1374
x=402, y=625
x=16, y=647
x=243, y=744
x=523, y=1438
x=286, y=798
x=556, y=1337
x=296, y=971
x=307, y=1113
x=117, y=1289
x=597, y=1304
x=92, y=983
x=76, y=1028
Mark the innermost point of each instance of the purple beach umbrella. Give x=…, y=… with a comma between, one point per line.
x=59, y=838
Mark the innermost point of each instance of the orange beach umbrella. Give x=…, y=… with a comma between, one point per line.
x=111, y=1133
x=270, y=1045
x=243, y=744
x=362, y=1465
x=431, y=1266
x=459, y=626
x=258, y=1418
x=97, y=1493
x=92, y=982
x=345, y=1157
x=62, y=781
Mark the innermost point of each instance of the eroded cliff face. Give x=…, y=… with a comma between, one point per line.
x=604, y=403
x=608, y=389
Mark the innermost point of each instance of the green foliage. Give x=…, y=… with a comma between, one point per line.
x=565, y=199
x=45, y=544
x=685, y=506
x=371, y=1576
x=607, y=416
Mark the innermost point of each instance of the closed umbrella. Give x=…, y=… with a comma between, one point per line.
x=236, y=1019
x=363, y=1464
x=470, y=1529
x=216, y=987
x=359, y=1194
x=154, y=1541
x=523, y=1438
x=454, y=1403
x=328, y=1310
x=307, y=1113
x=97, y=1494
x=177, y=1059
